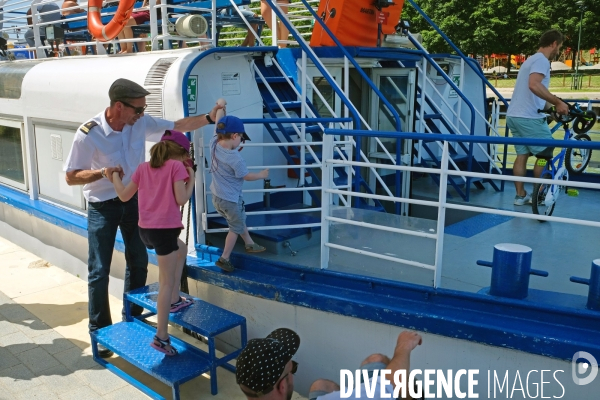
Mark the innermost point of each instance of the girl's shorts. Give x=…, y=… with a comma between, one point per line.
x=163, y=241
x=234, y=213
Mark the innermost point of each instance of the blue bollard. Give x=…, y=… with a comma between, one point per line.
x=511, y=268
x=593, y=302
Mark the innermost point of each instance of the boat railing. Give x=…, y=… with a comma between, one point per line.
x=331, y=217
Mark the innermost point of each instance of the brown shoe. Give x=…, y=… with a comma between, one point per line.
x=255, y=248
x=224, y=264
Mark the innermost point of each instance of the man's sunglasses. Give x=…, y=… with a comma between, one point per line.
x=137, y=110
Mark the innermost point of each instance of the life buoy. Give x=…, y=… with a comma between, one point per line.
x=115, y=26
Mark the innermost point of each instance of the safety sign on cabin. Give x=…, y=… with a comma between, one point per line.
x=231, y=83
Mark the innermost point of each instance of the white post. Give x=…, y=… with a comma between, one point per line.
x=327, y=181
x=303, y=91
x=40, y=53
x=274, y=25
x=154, y=25
x=423, y=79
x=30, y=161
x=439, y=244
x=214, y=24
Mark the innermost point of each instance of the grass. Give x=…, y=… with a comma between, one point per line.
x=560, y=81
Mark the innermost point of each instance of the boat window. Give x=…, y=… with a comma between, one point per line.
x=11, y=155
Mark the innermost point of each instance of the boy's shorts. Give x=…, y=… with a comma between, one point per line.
x=527, y=128
x=163, y=241
x=234, y=213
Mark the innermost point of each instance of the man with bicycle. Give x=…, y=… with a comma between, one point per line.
x=530, y=95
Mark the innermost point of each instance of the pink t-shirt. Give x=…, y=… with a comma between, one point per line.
x=156, y=198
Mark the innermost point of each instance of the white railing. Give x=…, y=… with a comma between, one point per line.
x=441, y=204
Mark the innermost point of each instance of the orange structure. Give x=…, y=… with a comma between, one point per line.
x=354, y=22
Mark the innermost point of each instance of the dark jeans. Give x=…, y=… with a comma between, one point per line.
x=103, y=220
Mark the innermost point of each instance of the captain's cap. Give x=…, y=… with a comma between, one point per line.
x=126, y=89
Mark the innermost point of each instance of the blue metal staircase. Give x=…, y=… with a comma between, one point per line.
x=131, y=341
x=464, y=159
x=287, y=98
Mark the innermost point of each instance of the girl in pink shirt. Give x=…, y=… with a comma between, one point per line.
x=163, y=187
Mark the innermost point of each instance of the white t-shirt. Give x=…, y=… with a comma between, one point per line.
x=104, y=147
x=524, y=103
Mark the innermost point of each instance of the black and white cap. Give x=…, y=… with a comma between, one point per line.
x=262, y=362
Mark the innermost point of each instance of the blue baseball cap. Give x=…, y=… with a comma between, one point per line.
x=231, y=124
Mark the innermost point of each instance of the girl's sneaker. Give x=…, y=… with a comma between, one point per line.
x=183, y=302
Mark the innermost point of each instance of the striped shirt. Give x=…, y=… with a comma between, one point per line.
x=228, y=171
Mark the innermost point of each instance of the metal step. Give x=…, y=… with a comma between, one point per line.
x=131, y=341
x=202, y=317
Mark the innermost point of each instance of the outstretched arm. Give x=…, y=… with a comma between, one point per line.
x=254, y=176
x=537, y=87
x=191, y=123
x=406, y=343
x=124, y=193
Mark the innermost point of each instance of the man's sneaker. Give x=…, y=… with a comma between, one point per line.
x=224, y=264
x=522, y=200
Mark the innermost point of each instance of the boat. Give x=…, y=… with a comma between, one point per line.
x=390, y=182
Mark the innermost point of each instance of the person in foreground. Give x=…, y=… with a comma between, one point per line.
x=407, y=341
x=229, y=172
x=265, y=369
x=114, y=140
x=530, y=95
x=163, y=185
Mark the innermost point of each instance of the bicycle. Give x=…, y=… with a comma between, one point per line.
x=570, y=160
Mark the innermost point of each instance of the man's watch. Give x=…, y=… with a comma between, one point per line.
x=103, y=172
x=209, y=119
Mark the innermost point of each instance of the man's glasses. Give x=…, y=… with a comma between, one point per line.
x=137, y=110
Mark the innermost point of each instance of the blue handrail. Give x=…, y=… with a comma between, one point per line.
x=580, y=144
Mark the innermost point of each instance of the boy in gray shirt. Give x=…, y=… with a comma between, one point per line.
x=229, y=172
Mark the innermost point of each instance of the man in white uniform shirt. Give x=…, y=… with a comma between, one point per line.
x=530, y=95
x=114, y=140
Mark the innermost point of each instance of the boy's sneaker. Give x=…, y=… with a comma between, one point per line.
x=255, y=248
x=224, y=264
x=522, y=200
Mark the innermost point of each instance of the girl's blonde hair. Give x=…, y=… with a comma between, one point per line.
x=163, y=151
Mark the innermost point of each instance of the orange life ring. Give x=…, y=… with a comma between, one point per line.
x=116, y=24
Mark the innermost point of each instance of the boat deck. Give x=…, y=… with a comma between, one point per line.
x=564, y=250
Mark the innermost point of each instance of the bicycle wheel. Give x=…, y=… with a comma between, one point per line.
x=538, y=197
x=576, y=160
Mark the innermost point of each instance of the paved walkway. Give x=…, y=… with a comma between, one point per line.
x=44, y=343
